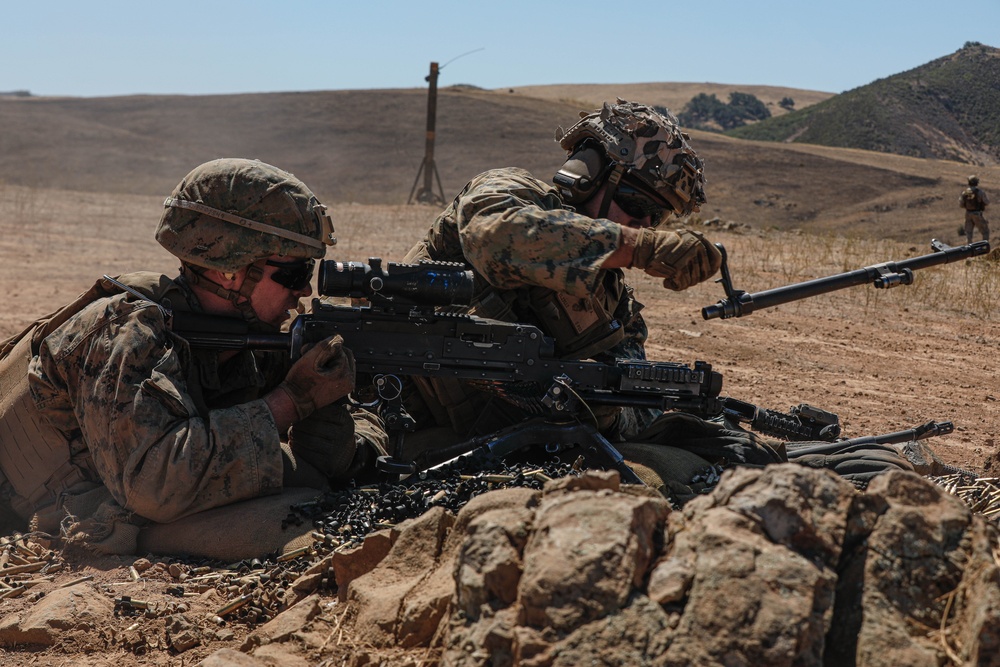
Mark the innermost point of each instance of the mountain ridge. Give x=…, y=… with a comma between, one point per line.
x=947, y=109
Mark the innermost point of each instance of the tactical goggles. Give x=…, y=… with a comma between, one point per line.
x=638, y=204
x=295, y=275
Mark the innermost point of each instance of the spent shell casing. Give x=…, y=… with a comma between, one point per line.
x=233, y=605
x=295, y=553
x=77, y=581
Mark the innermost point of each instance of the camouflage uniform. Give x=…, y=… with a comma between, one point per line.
x=975, y=201
x=168, y=430
x=536, y=261
x=109, y=417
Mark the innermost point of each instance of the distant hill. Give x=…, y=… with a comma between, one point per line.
x=947, y=109
x=352, y=145
x=366, y=146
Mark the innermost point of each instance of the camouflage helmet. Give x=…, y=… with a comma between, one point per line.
x=973, y=180
x=648, y=147
x=229, y=213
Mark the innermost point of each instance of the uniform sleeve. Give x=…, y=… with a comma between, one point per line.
x=123, y=380
x=515, y=232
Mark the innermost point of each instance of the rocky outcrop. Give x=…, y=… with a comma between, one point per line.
x=780, y=566
x=784, y=565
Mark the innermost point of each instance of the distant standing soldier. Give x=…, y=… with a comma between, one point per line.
x=974, y=201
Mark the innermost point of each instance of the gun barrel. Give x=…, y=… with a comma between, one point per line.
x=885, y=275
x=236, y=341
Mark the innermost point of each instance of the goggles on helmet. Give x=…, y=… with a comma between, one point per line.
x=294, y=275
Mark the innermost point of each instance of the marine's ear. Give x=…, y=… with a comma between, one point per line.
x=582, y=174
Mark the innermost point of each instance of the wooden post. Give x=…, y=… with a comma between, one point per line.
x=426, y=194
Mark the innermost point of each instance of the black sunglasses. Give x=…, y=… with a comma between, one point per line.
x=638, y=204
x=294, y=275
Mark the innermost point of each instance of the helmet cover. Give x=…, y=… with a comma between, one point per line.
x=229, y=213
x=651, y=148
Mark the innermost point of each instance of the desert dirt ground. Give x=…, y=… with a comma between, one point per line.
x=884, y=360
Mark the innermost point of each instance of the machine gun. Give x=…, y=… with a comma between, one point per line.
x=882, y=276
x=409, y=327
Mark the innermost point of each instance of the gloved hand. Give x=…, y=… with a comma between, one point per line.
x=325, y=439
x=341, y=442
x=682, y=258
x=324, y=374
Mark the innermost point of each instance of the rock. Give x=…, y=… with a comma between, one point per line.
x=750, y=570
x=636, y=635
x=593, y=480
x=284, y=655
x=78, y=607
x=918, y=555
x=227, y=657
x=489, y=561
x=285, y=624
x=181, y=633
x=349, y=565
x=379, y=595
x=586, y=553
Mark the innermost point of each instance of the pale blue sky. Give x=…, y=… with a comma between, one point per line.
x=121, y=47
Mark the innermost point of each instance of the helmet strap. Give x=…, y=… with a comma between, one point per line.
x=239, y=298
x=614, y=178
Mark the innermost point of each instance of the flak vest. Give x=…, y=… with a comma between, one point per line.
x=38, y=461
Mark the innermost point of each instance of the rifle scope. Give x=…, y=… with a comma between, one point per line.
x=421, y=284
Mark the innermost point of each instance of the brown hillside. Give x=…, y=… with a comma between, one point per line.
x=367, y=147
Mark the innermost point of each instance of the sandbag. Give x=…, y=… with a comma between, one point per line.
x=249, y=529
x=857, y=463
x=712, y=439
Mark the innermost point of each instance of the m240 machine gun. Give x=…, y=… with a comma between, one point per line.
x=882, y=276
x=409, y=327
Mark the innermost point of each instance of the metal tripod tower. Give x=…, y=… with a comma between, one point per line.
x=426, y=194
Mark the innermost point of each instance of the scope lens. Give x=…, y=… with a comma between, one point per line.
x=342, y=279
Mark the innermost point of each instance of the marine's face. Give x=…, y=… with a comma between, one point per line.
x=271, y=299
x=624, y=209
x=617, y=214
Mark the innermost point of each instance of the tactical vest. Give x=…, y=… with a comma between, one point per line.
x=38, y=461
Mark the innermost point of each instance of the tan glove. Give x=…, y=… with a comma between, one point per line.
x=325, y=439
x=682, y=258
x=324, y=374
